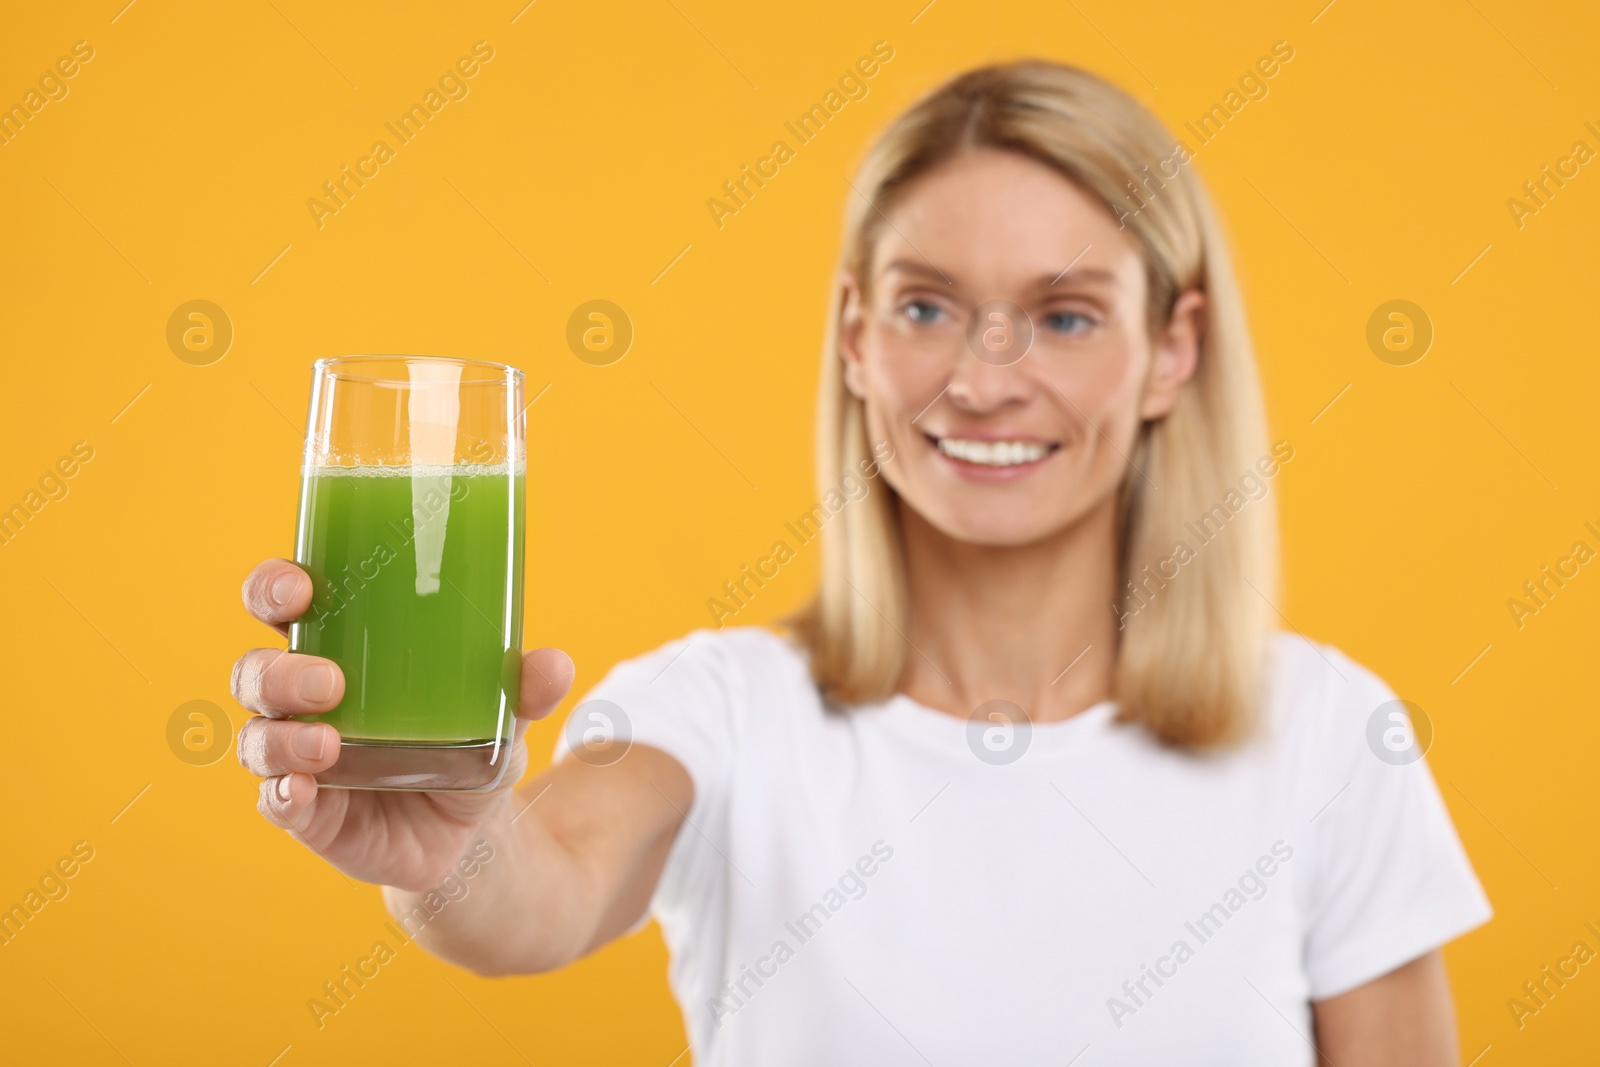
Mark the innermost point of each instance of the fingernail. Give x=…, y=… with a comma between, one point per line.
x=308, y=743
x=315, y=683
x=283, y=788
x=282, y=589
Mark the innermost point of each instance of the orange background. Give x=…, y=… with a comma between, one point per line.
x=179, y=165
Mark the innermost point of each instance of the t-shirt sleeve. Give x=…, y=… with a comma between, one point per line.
x=680, y=699
x=1391, y=881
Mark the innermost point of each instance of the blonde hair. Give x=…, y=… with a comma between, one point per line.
x=1189, y=664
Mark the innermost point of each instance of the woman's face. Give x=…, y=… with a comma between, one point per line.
x=994, y=444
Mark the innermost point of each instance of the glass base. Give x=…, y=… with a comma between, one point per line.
x=414, y=765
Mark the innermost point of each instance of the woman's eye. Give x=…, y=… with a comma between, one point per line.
x=1068, y=322
x=923, y=312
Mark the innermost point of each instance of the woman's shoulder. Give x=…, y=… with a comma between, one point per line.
x=1298, y=662
x=1320, y=696
x=731, y=644
x=732, y=660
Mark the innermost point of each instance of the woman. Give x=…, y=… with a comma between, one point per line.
x=1030, y=780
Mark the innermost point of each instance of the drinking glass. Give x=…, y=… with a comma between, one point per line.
x=411, y=527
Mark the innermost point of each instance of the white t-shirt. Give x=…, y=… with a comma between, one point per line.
x=862, y=887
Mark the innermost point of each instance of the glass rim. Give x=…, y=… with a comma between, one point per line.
x=329, y=366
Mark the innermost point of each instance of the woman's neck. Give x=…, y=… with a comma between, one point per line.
x=1032, y=625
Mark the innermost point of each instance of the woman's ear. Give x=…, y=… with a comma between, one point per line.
x=1176, y=355
x=851, y=321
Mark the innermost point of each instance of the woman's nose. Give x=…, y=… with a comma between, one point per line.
x=989, y=367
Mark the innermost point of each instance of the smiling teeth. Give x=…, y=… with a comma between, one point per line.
x=993, y=453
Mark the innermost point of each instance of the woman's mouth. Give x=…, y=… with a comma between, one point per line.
x=991, y=457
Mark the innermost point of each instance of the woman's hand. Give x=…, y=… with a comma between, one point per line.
x=405, y=839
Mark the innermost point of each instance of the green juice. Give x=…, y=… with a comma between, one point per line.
x=418, y=599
